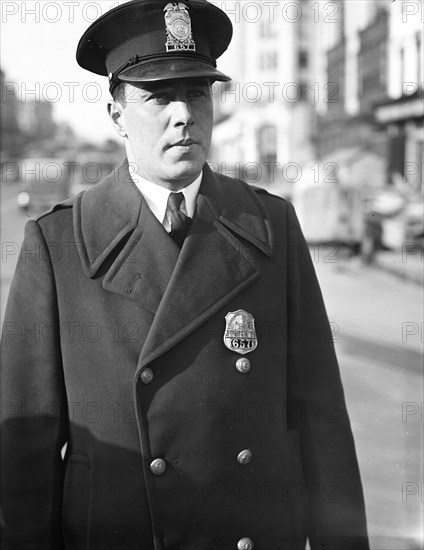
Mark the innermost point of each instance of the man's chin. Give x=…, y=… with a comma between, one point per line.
x=186, y=170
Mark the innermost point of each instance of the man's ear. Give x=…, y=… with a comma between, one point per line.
x=116, y=114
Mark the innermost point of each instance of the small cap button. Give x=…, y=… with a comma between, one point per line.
x=243, y=365
x=146, y=376
x=244, y=457
x=158, y=467
x=245, y=544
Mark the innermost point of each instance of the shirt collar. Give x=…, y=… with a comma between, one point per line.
x=157, y=196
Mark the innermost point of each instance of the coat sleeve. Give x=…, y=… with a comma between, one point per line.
x=317, y=410
x=33, y=404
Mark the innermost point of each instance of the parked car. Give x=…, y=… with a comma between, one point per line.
x=330, y=212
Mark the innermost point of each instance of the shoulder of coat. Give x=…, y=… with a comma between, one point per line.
x=64, y=205
x=250, y=188
x=262, y=191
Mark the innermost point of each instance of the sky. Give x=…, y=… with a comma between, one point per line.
x=38, y=45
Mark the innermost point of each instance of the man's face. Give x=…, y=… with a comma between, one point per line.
x=169, y=129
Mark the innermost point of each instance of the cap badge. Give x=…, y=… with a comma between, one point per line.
x=178, y=28
x=240, y=334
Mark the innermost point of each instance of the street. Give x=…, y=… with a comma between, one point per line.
x=378, y=332
x=382, y=370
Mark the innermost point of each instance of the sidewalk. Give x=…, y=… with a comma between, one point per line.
x=407, y=265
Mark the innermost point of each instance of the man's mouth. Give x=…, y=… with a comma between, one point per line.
x=185, y=146
x=185, y=143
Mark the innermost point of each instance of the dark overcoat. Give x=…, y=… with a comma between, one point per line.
x=102, y=293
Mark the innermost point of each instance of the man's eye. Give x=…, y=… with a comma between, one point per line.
x=199, y=94
x=161, y=98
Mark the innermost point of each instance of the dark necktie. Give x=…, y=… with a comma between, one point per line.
x=180, y=223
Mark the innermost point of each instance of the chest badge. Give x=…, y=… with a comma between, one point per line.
x=240, y=334
x=178, y=28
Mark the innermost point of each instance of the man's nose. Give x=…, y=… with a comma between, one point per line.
x=182, y=114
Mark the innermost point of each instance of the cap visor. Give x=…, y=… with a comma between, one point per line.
x=169, y=69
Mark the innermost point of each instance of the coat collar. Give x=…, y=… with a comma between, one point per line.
x=104, y=215
x=111, y=211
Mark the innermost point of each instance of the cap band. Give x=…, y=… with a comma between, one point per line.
x=147, y=46
x=115, y=78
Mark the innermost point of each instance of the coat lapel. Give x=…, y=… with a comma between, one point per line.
x=119, y=239
x=215, y=264
x=144, y=267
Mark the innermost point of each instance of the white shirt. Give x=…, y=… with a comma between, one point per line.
x=157, y=196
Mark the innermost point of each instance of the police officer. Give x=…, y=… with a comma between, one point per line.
x=183, y=364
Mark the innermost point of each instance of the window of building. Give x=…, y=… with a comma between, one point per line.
x=420, y=165
x=268, y=152
x=402, y=66
x=335, y=90
x=303, y=59
x=372, y=68
x=397, y=150
x=268, y=29
x=303, y=88
x=420, y=60
x=268, y=61
x=383, y=65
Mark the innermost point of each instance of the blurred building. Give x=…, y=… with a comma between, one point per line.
x=375, y=65
x=401, y=116
x=356, y=73
x=10, y=131
x=24, y=124
x=35, y=120
x=266, y=115
x=313, y=78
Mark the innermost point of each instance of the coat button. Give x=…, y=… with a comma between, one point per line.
x=158, y=467
x=243, y=365
x=245, y=544
x=244, y=457
x=146, y=376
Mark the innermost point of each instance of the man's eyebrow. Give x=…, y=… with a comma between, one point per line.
x=169, y=85
x=198, y=82
x=204, y=82
x=154, y=88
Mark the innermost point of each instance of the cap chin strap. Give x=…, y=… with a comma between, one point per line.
x=114, y=80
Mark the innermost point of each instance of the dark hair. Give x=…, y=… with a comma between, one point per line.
x=119, y=94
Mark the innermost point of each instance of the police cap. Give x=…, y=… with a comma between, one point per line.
x=151, y=40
